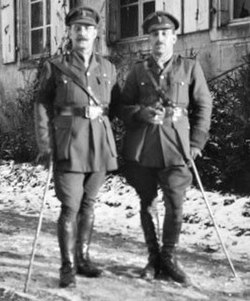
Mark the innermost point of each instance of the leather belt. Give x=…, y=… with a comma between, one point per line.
x=175, y=111
x=79, y=112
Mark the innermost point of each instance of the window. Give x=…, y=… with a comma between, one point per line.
x=240, y=9
x=132, y=13
x=125, y=17
x=40, y=27
x=233, y=12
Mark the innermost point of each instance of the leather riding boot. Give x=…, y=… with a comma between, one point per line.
x=152, y=268
x=170, y=267
x=84, y=266
x=67, y=240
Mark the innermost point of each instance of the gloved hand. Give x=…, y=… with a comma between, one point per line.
x=151, y=115
x=159, y=116
x=195, y=152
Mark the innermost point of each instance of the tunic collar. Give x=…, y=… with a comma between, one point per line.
x=78, y=61
x=155, y=67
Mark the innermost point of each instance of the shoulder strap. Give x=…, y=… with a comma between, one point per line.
x=76, y=80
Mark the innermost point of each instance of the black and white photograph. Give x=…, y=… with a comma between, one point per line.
x=124, y=150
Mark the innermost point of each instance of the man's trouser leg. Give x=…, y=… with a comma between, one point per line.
x=85, y=223
x=144, y=181
x=69, y=190
x=174, y=183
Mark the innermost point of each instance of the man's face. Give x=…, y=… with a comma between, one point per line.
x=83, y=36
x=162, y=41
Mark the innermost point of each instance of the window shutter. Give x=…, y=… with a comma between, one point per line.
x=58, y=28
x=8, y=31
x=24, y=30
x=160, y=4
x=196, y=15
x=112, y=19
x=174, y=8
x=224, y=16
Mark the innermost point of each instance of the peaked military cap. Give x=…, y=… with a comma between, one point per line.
x=159, y=20
x=82, y=15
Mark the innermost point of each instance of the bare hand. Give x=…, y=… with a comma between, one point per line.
x=44, y=158
x=195, y=152
x=151, y=115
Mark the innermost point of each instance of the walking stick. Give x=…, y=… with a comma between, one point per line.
x=39, y=224
x=155, y=213
x=212, y=217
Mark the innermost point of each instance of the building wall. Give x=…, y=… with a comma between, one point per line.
x=218, y=50
x=216, y=57
x=12, y=78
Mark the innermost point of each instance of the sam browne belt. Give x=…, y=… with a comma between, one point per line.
x=79, y=111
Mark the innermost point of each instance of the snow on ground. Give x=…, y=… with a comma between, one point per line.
x=118, y=243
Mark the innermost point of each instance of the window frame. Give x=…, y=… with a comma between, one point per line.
x=161, y=5
x=44, y=27
x=140, y=4
x=235, y=21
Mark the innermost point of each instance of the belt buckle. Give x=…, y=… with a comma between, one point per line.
x=86, y=112
x=177, y=113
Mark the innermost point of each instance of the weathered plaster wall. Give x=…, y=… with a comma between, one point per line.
x=216, y=57
x=218, y=50
x=10, y=80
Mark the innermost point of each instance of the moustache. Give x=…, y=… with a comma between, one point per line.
x=80, y=38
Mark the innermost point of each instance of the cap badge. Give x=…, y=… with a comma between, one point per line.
x=159, y=19
x=84, y=13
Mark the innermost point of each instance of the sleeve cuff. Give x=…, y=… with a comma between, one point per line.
x=198, y=138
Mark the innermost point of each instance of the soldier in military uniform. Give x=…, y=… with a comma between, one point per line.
x=72, y=123
x=166, y=108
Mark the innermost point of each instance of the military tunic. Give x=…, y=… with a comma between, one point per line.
x=80, y=144
x=167, y=144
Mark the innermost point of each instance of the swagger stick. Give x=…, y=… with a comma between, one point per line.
x=39, y=225
x=212, y=217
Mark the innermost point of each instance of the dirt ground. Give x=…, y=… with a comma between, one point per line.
x=118, y=245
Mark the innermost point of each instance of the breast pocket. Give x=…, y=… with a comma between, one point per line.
x=64, y=89
x=104, y=86
x=63, y=134
x=181, y=92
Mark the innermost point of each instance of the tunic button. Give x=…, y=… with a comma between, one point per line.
x=162, y=77
x=65, y=81
x=88, y=73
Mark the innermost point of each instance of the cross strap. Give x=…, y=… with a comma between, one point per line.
x=164, y=100
x=76, y=80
